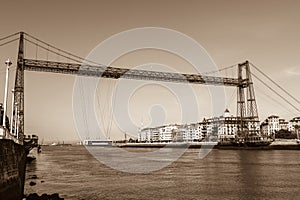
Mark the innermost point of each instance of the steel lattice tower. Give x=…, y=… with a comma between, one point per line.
x=19, y=87
x=246, y=103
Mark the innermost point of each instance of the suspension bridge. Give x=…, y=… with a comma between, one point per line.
x=246, y=105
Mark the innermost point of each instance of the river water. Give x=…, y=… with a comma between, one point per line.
x=223, y=174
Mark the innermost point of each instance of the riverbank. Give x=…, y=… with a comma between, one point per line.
x=280, y=144
x=35, y=196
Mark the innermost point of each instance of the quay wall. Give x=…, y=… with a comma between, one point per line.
x=12, y=170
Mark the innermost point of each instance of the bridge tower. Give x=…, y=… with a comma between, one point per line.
x=19, y=88
x=246, y=103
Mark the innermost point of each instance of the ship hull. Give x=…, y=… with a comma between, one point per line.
x=12, y=170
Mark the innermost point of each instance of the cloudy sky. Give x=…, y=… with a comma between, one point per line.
x=264, y=32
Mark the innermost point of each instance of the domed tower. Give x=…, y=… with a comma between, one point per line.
x=226, y=113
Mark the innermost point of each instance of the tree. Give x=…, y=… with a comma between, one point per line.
x=285, y=134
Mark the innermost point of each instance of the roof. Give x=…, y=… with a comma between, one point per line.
x=273, y=116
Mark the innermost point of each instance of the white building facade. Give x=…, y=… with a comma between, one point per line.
x=223, y=128
x=273, y=124
x=270, y=125
x=293, y=124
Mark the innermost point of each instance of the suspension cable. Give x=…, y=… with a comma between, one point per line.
x=113, y=96
x=230, y=100
x=219, y=70
x=58, y=49
x=36, y=51
x=273, y=99
x=49, y=50
x=9, y=36
x=275, y=92
x=275, y=83
x=90, y=61
x=8, y=42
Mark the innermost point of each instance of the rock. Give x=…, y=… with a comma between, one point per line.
x=32, y=183
x=45, y=196
x=35, y=196
x=55, y=195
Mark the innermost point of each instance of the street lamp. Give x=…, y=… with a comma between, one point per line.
x=7, y=63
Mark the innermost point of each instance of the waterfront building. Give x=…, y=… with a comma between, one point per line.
x=192, y=132
x=223, y=128
x=283, y=125
x=264, y=127
x=148, y=135
x=158, y=134
x=270, y=125
x=293, y=123
x=273, y=124
x=167, y=133
x=179, y=135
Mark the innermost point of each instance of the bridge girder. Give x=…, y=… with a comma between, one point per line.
x=116, y=73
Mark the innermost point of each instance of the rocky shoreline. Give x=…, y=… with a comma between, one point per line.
x=35, y=196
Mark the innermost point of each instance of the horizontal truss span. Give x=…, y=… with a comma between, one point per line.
x=116, y=73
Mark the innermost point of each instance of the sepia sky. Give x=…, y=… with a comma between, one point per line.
x=265, y=32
